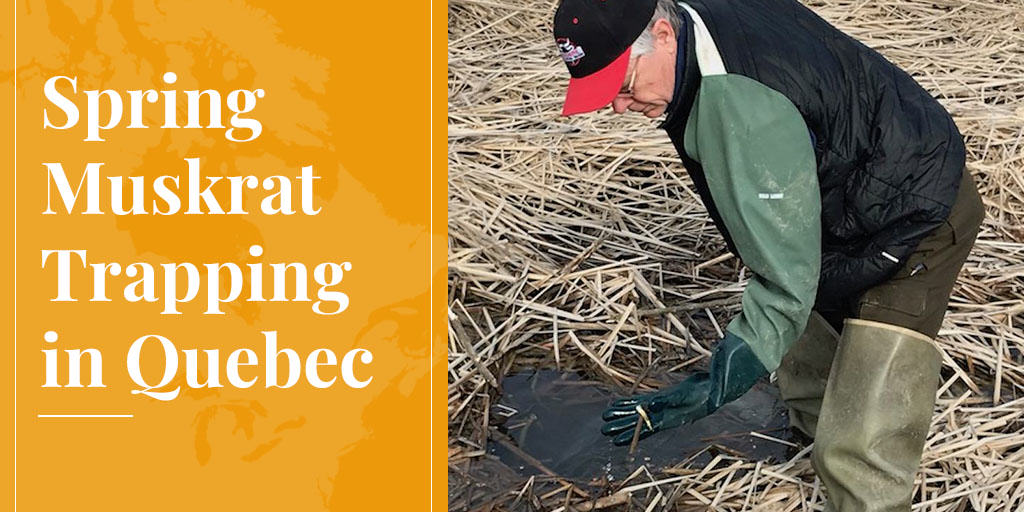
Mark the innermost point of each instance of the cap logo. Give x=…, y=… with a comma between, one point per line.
x=570, y=52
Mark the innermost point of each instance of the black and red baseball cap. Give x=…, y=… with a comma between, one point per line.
x=594, y=39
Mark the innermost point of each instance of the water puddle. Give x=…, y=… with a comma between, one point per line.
x=555, y=419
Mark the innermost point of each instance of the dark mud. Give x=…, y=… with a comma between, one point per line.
x=555, y=418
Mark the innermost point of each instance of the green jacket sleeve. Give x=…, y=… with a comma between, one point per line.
x=760, y=168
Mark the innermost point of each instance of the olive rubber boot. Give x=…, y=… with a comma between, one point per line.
x=875, y=416
x=803, y=373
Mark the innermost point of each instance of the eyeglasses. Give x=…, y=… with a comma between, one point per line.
x=628, y=90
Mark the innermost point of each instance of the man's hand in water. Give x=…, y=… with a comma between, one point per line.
x=685, y=402
x=734, y=370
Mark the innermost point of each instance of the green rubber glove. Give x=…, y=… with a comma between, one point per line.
x=733, y=371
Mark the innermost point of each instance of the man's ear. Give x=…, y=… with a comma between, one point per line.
x=664, y=35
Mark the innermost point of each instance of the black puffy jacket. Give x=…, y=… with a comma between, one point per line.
x=889, y=156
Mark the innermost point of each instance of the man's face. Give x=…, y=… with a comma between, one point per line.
x=650, y=78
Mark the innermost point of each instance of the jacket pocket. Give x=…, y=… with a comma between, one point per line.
x=928, y=252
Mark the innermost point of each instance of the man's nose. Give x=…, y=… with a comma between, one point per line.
x=621, y=103
x=637, y=106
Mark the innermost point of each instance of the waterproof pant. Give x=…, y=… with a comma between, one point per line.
x=862, y=380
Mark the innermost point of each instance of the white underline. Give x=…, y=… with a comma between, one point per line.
x=85, y=415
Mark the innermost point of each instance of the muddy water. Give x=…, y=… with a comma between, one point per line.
x=556, y=419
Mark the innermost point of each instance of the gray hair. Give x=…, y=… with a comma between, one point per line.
x=667, y=10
